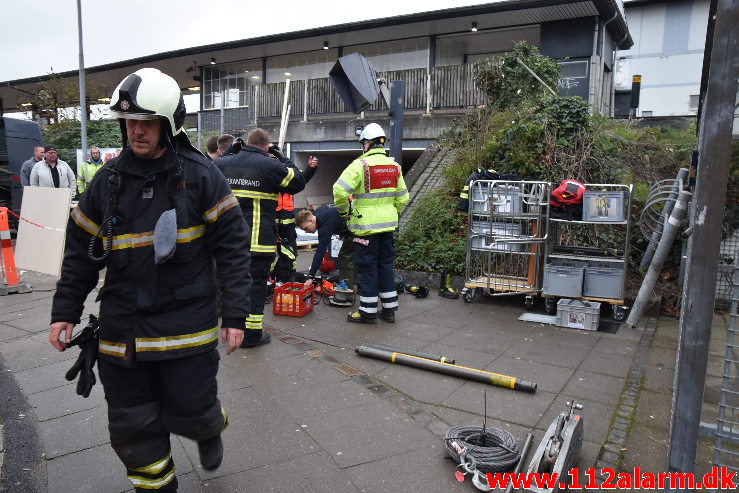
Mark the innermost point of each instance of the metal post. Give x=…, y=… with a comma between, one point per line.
x=200, y=130
x=83, y=93
x=703, y=247
x=660, y=255
x=635, y=90
x=222, y=111
x=397, y=106
x=305, y=101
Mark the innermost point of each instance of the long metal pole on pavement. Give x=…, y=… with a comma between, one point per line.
x=83, y=93
x=714, y=144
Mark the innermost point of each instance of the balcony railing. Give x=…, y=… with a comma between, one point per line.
x=448, y=87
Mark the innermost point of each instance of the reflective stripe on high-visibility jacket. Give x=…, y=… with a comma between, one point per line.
x=378, y=190
x=289, y=220
x=285, y=202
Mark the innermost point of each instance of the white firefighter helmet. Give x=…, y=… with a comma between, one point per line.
x=371, y=132
x=147, y=94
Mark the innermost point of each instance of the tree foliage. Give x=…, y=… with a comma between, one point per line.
x=66, y=136
x=526, y=131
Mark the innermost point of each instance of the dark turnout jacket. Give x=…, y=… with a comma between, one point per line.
x=328, y=223
x=150, y=311
x=256, y=180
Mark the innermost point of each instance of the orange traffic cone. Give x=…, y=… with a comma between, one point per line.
x=10, y=275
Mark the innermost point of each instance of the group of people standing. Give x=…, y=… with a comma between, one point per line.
x=174, y=229
x=45, y=169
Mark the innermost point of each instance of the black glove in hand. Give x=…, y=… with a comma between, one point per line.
x=275, y=151
x=88, y=341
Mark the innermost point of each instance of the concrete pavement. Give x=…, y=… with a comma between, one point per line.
x=308, y=414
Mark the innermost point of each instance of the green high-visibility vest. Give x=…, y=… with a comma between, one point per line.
x=85, y=173
x=378, y=190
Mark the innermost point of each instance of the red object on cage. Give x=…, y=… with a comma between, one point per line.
x=292, y=299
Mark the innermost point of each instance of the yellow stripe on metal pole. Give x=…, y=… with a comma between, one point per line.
x=448, y=369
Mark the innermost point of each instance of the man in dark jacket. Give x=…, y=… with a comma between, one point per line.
x=156, y=217
x=328, y=222
x=256, y=179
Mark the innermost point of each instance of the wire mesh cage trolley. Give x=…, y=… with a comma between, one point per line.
x=506, y=234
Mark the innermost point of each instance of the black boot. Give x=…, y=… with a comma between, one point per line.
x=387, y=316
x=211, y=453
x=254, y=340
x=357, y=318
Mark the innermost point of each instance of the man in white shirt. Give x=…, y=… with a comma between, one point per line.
x=52, y=171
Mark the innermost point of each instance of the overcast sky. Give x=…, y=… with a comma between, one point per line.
x=39, y=36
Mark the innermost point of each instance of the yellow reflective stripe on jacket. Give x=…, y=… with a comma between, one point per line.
x=112, y=348
x=135, y=240
x=263, y=248
x=286, y=221
x=189, y=234
x=288, y=177
x=255, y=220
x=84, y=222
x=251, y=194
x=211, y=215
x=156, y=467
x=176, y=342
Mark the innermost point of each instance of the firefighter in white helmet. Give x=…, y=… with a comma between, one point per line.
x=156, y=218
x=375, y=184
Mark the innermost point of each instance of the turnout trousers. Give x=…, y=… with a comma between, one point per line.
x=150, y=401
x=373, y=258
x=259, y=270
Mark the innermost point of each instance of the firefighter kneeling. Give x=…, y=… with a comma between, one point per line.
x=156, y=218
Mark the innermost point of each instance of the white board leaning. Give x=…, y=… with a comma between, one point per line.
x=41, y=249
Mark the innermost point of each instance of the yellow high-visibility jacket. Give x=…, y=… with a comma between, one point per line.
x=378, y=191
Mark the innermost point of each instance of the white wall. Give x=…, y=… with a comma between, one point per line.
x=667, y=53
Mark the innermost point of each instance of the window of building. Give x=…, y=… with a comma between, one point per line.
x=301, y=66
x=646, y=114
x=394, y=55
x=227, y=85
x=693, y=104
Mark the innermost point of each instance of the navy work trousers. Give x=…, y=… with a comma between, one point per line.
x=373, y=258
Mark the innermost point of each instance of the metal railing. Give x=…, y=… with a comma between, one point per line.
x=448, y=87
x=726, y=447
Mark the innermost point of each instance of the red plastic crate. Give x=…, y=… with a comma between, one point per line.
x=292, y=299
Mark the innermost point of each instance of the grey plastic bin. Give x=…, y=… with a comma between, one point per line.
x=504, y=200
x=604, y=281
x=563, y=280
x=576, y=314
x=481, y=239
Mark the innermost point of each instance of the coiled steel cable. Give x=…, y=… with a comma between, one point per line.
x=489, y=449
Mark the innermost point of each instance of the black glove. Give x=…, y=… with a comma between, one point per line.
x=87, y=340
x=275, y=151
x=235, y=147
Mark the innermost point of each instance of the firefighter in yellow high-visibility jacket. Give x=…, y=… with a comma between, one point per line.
x=370, y=193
